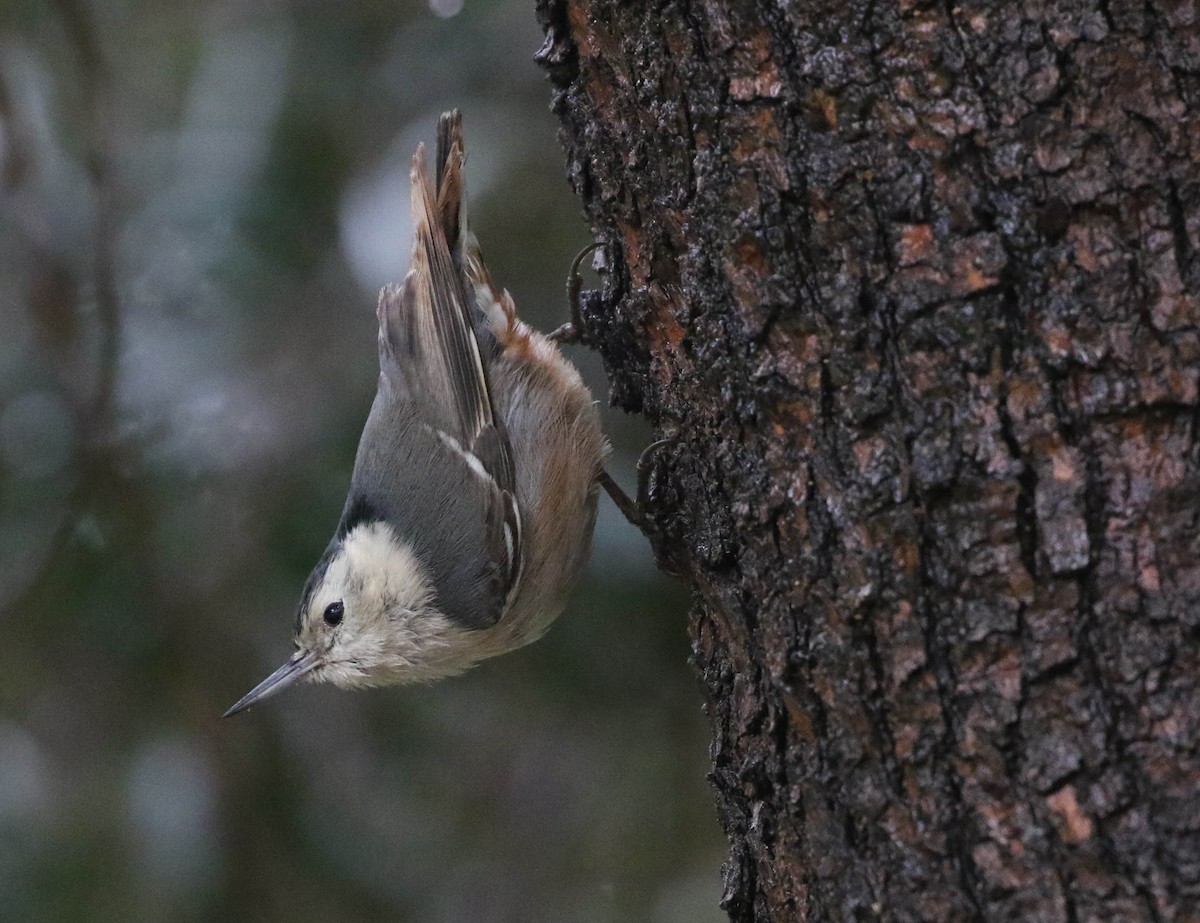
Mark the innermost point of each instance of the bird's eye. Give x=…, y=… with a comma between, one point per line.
x=334, y=613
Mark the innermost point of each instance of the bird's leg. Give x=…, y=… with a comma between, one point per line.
x=634, y=511
x=629, y=509
x=665, y=552
x=572, y=331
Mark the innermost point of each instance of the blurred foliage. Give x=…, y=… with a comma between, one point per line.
x=198, y=202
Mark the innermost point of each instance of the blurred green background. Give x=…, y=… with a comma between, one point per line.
x=198, y=204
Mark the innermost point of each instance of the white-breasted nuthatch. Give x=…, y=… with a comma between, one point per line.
x=473, y=498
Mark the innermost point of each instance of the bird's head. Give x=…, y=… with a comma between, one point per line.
x=367, y=619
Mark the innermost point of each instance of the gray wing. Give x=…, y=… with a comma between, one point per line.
x=434, y=457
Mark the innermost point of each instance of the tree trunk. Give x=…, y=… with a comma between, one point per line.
x=912, y=288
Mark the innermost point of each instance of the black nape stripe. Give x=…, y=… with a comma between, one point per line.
x=359, y=510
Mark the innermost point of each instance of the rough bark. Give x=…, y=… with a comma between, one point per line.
x=913, y=288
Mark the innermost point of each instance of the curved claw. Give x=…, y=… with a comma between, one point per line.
x=643, y=467
x=573, y=331
x=634, y=510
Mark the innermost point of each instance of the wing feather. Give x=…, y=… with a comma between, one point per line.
x=432, y=364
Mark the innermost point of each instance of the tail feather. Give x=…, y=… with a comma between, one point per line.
x=451, y=189
x=498, y=319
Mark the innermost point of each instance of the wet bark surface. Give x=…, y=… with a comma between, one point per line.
x=913, y=287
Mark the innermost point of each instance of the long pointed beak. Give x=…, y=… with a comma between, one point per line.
x=300, y=663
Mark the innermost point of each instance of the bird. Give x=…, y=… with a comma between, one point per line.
x=473, y=498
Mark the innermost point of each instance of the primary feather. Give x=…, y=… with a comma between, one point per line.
x=432, y=375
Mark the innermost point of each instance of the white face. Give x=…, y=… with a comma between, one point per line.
x=370, y=619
